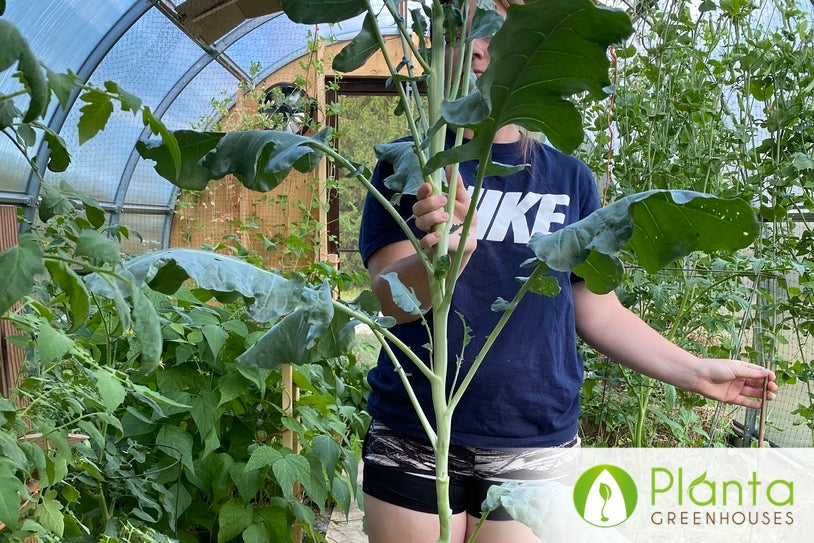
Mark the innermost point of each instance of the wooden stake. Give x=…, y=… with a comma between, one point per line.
x=762, y=427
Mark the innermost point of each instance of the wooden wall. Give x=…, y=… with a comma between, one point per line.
x=11, y=357
x=220, y=210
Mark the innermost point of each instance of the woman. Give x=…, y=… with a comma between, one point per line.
x=524, y=401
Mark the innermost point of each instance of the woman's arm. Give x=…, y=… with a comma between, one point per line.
x=605, y=324
x=401, y=258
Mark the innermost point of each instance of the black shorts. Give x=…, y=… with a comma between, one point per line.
x=400, y=470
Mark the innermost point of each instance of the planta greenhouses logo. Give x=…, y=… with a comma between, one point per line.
x=605, y=496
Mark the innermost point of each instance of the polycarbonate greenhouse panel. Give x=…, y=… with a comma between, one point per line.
x=63, y=33
x=147, y=62
x=273, y=45
x=14, y=170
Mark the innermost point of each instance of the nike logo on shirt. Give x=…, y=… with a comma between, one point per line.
x=499, y=213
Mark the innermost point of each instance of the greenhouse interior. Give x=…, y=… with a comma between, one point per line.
x=186, y=323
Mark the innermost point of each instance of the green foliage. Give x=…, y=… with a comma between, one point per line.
x=698, y=107
x=174, y=450
x=518, y=88
x=15, y=50
x=152, y=378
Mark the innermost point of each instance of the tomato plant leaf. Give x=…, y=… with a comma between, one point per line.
x=129, y=102
x=322, y=11
x=94, y=115
x=362, y=47
x=94, y=245
x=78, y=305
x=58, y=157
x=8, y=112
x=62, y=85
x=14, y=49
x=52, y=344
x=50, y=516
x=110, y=389
x=19, y=265
x=11, y=491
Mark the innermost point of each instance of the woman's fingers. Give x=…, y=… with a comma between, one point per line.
x=429, y=210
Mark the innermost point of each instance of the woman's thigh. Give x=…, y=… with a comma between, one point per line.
x=388, y=523
x=500, y=531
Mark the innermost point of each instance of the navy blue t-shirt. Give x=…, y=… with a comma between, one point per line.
x=526, y=392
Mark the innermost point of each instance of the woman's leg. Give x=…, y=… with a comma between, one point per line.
x=499, y=531
x=388, y=523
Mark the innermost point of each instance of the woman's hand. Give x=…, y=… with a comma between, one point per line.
x=430, y=211
x=734, y=381
x=401, y=257
x=614, y=330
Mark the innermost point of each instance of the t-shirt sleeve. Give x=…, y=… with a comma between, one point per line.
x=378, y=228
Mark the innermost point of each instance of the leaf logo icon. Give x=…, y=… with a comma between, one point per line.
x=605, y=493
x=605, y=496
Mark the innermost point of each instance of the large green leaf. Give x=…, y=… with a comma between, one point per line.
x=543, y=53
x=19, y=265
x=11, y=493
x=262, y=159
x=308, y=334
x=269, y=294
x=407, y=176
x=147, y=328
x=95, y=114
x=14, y=49
x=58, y=158
x=92, y=244
x=74, y=288
x=234, y=517
x=52, y=344
x=322, y=11
x=362, y=47
x=658, y=226
x=192, y=146
x=53, y=203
